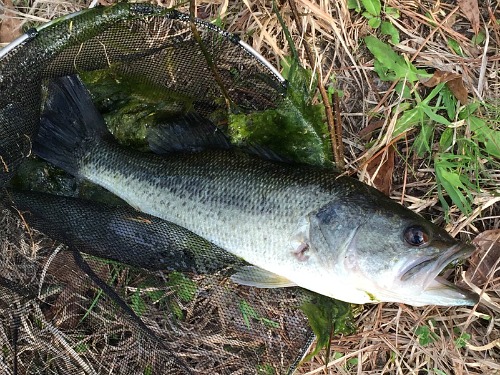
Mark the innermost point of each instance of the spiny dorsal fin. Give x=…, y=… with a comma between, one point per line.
x=193, y=133
x=189, y=133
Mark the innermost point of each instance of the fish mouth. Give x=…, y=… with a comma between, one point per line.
x=425, y=273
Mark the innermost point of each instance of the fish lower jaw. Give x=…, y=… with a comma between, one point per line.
x=448, y=294
x=438, y=292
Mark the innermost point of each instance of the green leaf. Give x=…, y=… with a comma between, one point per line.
x=479, y=127
x=184, y=287
x=265, y=369
x=423, y=141
x=487, y=135
x=449, y=102
x=81, y=347
x=383, y=72
x=409, y=118
x=137, y=303
x=367, y=15
x=493, y=145
x=478, y=38
x=455, y=47
x=435, y=91
x=352, y=362
x=451, y=182
x=354, y=5
x=446, y=139
x=425, y=335
x=286, y=65
x=372, y=6
x=430, y=19
x=462, y=340
x=176, y=310
x=391, y=60
x=337, y=355
x=431, y=113
x=392, y=12
x=374, y=22
x=248, y=312
x=469, y=110
x=389, y=29
x=218, y=22
x=155, y=295
x=403, y=90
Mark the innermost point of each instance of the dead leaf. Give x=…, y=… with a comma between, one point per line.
x=439, y=76
x=485, y=261
x=366, y=132
x=470, y=9
x=458, y=89
x=10, y=28
x=451, y=20
x=454, y=82
x=383, y=177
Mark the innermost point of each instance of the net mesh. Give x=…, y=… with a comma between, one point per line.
x=160, y=302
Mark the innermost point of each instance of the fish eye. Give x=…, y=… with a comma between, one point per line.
x=416, y=235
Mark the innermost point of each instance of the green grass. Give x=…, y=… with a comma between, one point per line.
x=468, y=143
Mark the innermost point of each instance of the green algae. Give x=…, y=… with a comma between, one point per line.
x=130, y=106
x=327, y=317
x=295, y=129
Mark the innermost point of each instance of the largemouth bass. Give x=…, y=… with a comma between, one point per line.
x=296, y=224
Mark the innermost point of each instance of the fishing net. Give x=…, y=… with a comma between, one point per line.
x=90, y=288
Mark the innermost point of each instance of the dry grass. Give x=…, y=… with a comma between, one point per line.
x=386, y=341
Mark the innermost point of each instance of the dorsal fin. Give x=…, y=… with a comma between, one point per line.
x=266, y=153
x=193, y=133
x=190, y=133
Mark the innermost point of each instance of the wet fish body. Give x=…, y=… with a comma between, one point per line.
x=300, y=225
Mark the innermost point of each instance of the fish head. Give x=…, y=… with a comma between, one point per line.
x=386, y=252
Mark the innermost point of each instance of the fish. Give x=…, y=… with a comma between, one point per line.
x=119, y=233
x=294, y=224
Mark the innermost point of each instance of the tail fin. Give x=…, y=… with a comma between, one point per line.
x=69, y=126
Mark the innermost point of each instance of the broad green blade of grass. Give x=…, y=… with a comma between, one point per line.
x=390, y=65
x=454, y=183
x=486, y=135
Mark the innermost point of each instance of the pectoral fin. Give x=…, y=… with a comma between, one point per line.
x=260, y=278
